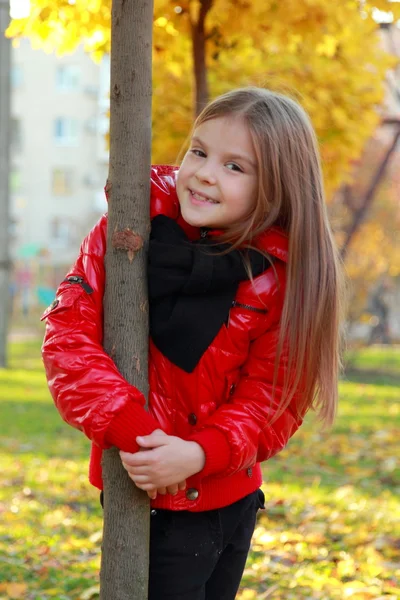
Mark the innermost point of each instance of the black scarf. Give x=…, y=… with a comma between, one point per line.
x=191, y=290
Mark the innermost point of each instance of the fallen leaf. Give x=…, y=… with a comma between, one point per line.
x=16, y=590
x=90, y=593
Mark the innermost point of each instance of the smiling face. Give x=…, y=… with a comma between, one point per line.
x=217, y=182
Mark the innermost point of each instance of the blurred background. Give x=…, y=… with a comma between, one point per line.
x=331, y=529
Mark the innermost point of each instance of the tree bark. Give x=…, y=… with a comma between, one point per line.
x=5, y=68
x=125, y=548
x=199, y=56
x=360, y=214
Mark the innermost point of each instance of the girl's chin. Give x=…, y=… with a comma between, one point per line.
x=196, y=220
x=198, y=223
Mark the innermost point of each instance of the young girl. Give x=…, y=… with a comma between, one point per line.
x=244, y=320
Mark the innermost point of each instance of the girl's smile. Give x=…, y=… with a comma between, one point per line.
x=199, y=199
x=217, y=181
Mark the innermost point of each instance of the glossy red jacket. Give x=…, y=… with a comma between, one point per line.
x=225, y=404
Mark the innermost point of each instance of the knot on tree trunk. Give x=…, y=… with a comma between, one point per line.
x=116, y=92
x=127, y=240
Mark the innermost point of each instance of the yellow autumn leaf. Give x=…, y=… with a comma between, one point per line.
x=90, y=593
x=16, y=590
x=175, y=68
x=248, y=595
x=328, y=46
x=161, y=22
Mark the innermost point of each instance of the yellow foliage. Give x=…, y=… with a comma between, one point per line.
x=326, y=54
x=328, y=46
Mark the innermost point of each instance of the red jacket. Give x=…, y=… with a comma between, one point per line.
x=224, y=404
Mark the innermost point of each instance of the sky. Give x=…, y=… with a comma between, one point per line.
x=19, y=8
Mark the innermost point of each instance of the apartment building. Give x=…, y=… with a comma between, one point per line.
x=59, y=159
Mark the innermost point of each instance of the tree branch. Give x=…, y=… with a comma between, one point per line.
x=362, y=211
x=199, y=56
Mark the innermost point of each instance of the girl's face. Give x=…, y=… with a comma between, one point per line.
x=218, y=181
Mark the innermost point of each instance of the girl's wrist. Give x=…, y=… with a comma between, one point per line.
x=198, y=457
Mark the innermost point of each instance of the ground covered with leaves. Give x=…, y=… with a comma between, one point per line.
x=331, y=528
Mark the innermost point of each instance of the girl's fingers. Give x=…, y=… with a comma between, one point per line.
x=138, y=459
x=147, y=487
x=162, y=491
x=182, y=485
x=142, y=470
x=155, y=439
x=152, y=494
x=172, y=489
x=139, y=478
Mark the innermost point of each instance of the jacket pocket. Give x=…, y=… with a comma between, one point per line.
x=231, y=380
x=244, y=314
x=260, y=499
x=64, y=300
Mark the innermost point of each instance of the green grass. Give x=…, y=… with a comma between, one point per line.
x=332, y=525
x=385, y=359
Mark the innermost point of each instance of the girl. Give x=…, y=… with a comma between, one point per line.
x=244, y=317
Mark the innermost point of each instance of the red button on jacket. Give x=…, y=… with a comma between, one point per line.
x=230, y=390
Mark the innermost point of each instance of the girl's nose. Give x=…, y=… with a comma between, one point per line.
x=206, y=174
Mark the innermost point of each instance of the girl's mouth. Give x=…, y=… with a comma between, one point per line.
x=197, y=198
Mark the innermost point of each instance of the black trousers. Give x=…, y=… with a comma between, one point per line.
x=201, y=556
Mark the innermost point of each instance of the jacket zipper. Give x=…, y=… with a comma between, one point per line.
x=75, y=279
x=248, y=307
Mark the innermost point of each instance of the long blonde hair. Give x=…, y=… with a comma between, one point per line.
x=291, y=196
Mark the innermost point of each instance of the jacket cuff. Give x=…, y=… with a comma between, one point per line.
x=127, y=424
x=216, y=449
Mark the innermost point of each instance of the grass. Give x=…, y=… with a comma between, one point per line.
x=331, y=528
x=383, y=359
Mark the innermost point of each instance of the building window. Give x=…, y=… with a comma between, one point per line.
x=16, y=135
x=17, y=76
x=59, y=230
x=61, y=182
x=67, y=78
x=62, y=231
x=66, y=131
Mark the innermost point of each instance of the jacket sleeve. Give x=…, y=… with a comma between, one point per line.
x=240, y=433
x=86, y=386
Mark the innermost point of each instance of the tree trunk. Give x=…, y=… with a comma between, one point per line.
x=125, y=548
x=199, y=55
x=360, y=214
x=5, y=68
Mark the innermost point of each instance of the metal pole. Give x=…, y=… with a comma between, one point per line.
x=5, y=110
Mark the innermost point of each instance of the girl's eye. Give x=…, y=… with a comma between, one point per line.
x=234, y=167
x=198, y=152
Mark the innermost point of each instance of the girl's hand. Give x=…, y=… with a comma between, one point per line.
x=171, y=489
x=163, y=461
